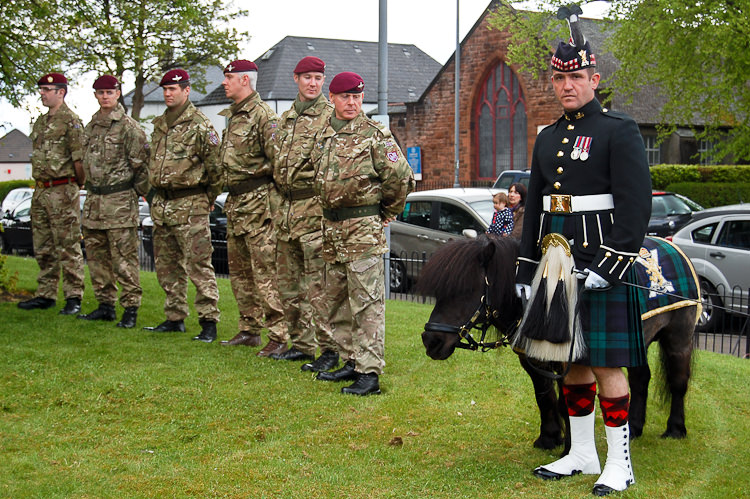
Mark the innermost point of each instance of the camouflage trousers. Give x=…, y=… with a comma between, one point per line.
x=182, y=251
x=301, y=272
x=355, y=292
x=112, y=256
x=56, y=232
x=252, y=273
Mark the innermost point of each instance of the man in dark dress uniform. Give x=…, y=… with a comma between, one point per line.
x=590, y=182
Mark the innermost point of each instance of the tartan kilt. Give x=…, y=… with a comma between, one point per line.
x=610, y=320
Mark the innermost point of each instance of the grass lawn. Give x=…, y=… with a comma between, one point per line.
x=92, y=410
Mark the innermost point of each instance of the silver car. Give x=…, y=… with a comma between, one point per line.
x=717, y=241
x=429, y=220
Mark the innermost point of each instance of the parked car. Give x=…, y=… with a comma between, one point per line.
x=16, y=233
x=670, y=212
x=508, y=177
x=218, y=225
x=717, y=241
x=429, y=220
x=14, y=197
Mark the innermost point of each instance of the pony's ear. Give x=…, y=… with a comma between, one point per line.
x=488, y=252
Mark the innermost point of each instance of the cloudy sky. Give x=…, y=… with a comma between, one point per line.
x=428, y=24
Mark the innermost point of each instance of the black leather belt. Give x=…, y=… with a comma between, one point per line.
x=109, y=189
x=297, y=194
x=340, y=214
x=248, y=185
x=180, y=193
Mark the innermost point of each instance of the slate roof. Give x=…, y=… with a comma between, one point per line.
x=410, y=70
x=15, y=147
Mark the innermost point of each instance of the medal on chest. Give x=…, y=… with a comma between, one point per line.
x=581, y=148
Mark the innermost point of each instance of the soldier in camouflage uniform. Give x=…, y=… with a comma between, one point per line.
x=300, y=264
x=362, y=179
x=55, y=206
x=246, y=162
x=115, y=162
x=184, y=175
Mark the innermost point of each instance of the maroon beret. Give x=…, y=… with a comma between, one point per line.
x=347, y=82
x=106, y=82
x=310, y=64
x=240, y=66
x=175, y=76
x=55, y=79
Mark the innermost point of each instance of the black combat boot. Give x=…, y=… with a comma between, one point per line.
x=129, y=316
x=168, y=326
x=327, y=361
x=208, y=332
x=38, y=302
x=346, y=373
x=72, y=306
x=103, y=313
x=366, y=384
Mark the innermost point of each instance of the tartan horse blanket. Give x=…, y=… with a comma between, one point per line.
x=662, y=268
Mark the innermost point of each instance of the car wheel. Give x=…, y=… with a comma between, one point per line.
x=399, y=279
x=711, y=315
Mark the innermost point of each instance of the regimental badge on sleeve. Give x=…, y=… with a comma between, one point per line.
x=213, y=138
x=392, y=156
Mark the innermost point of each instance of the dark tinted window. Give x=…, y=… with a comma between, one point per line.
x=704, y=234
x=735, y=234
x=417, y=213
x=455, y=219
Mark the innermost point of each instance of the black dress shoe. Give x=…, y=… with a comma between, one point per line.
x=72, y=306
x=292, y=354
x=38, y=302
x=208, y=332
x=103, y=313
x=327, y=361
x=366, y=384
x=244, y=338
x=168, y=326
x=129, y=316
x=346, y=373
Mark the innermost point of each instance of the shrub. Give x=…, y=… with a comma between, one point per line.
x=710, y=194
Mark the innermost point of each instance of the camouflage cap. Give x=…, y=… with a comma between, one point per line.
x=174, y=77
x=106, y=82
x=310, y=64
x=240, y=66
x=347, y=82
x=55, y=79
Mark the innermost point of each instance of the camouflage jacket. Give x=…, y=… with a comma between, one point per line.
x=56, y=144
x=185, y=155
x=294, y=172
x=115, y=155
x=247, y=149
x=360, y=165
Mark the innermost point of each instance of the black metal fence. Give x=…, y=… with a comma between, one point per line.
x=724, y=325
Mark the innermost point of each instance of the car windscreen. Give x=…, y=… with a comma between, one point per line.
x=484, y=208
x=668, y=205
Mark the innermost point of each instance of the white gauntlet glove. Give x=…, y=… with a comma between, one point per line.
x=523, y=291
x=595, y=281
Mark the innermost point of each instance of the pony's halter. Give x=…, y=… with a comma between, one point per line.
x=480, y=320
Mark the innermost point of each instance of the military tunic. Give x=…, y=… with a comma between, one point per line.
x=362, y=179
x=55, y=209
x=184, y=172
x=246, y=163
x=300, y=264
x=115, y=161
x=605, y=240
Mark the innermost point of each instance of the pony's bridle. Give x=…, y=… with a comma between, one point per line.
x=481, y=320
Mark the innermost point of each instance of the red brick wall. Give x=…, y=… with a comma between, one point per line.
x=430, y=122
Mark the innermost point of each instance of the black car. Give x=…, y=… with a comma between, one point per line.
x=669, y=213
x=16, y=233
x=218, y=225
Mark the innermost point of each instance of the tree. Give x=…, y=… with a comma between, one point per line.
x=692, y=53
x=26, y=50
x=148, y=37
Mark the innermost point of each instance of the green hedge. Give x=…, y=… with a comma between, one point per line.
x=664, y=175
x=710, y=194
x=9, y=185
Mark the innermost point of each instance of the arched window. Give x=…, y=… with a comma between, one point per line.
x=500, y=115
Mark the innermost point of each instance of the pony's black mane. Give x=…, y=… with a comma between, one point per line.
x=458, y=268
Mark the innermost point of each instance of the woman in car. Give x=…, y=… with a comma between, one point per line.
x=516, y=202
